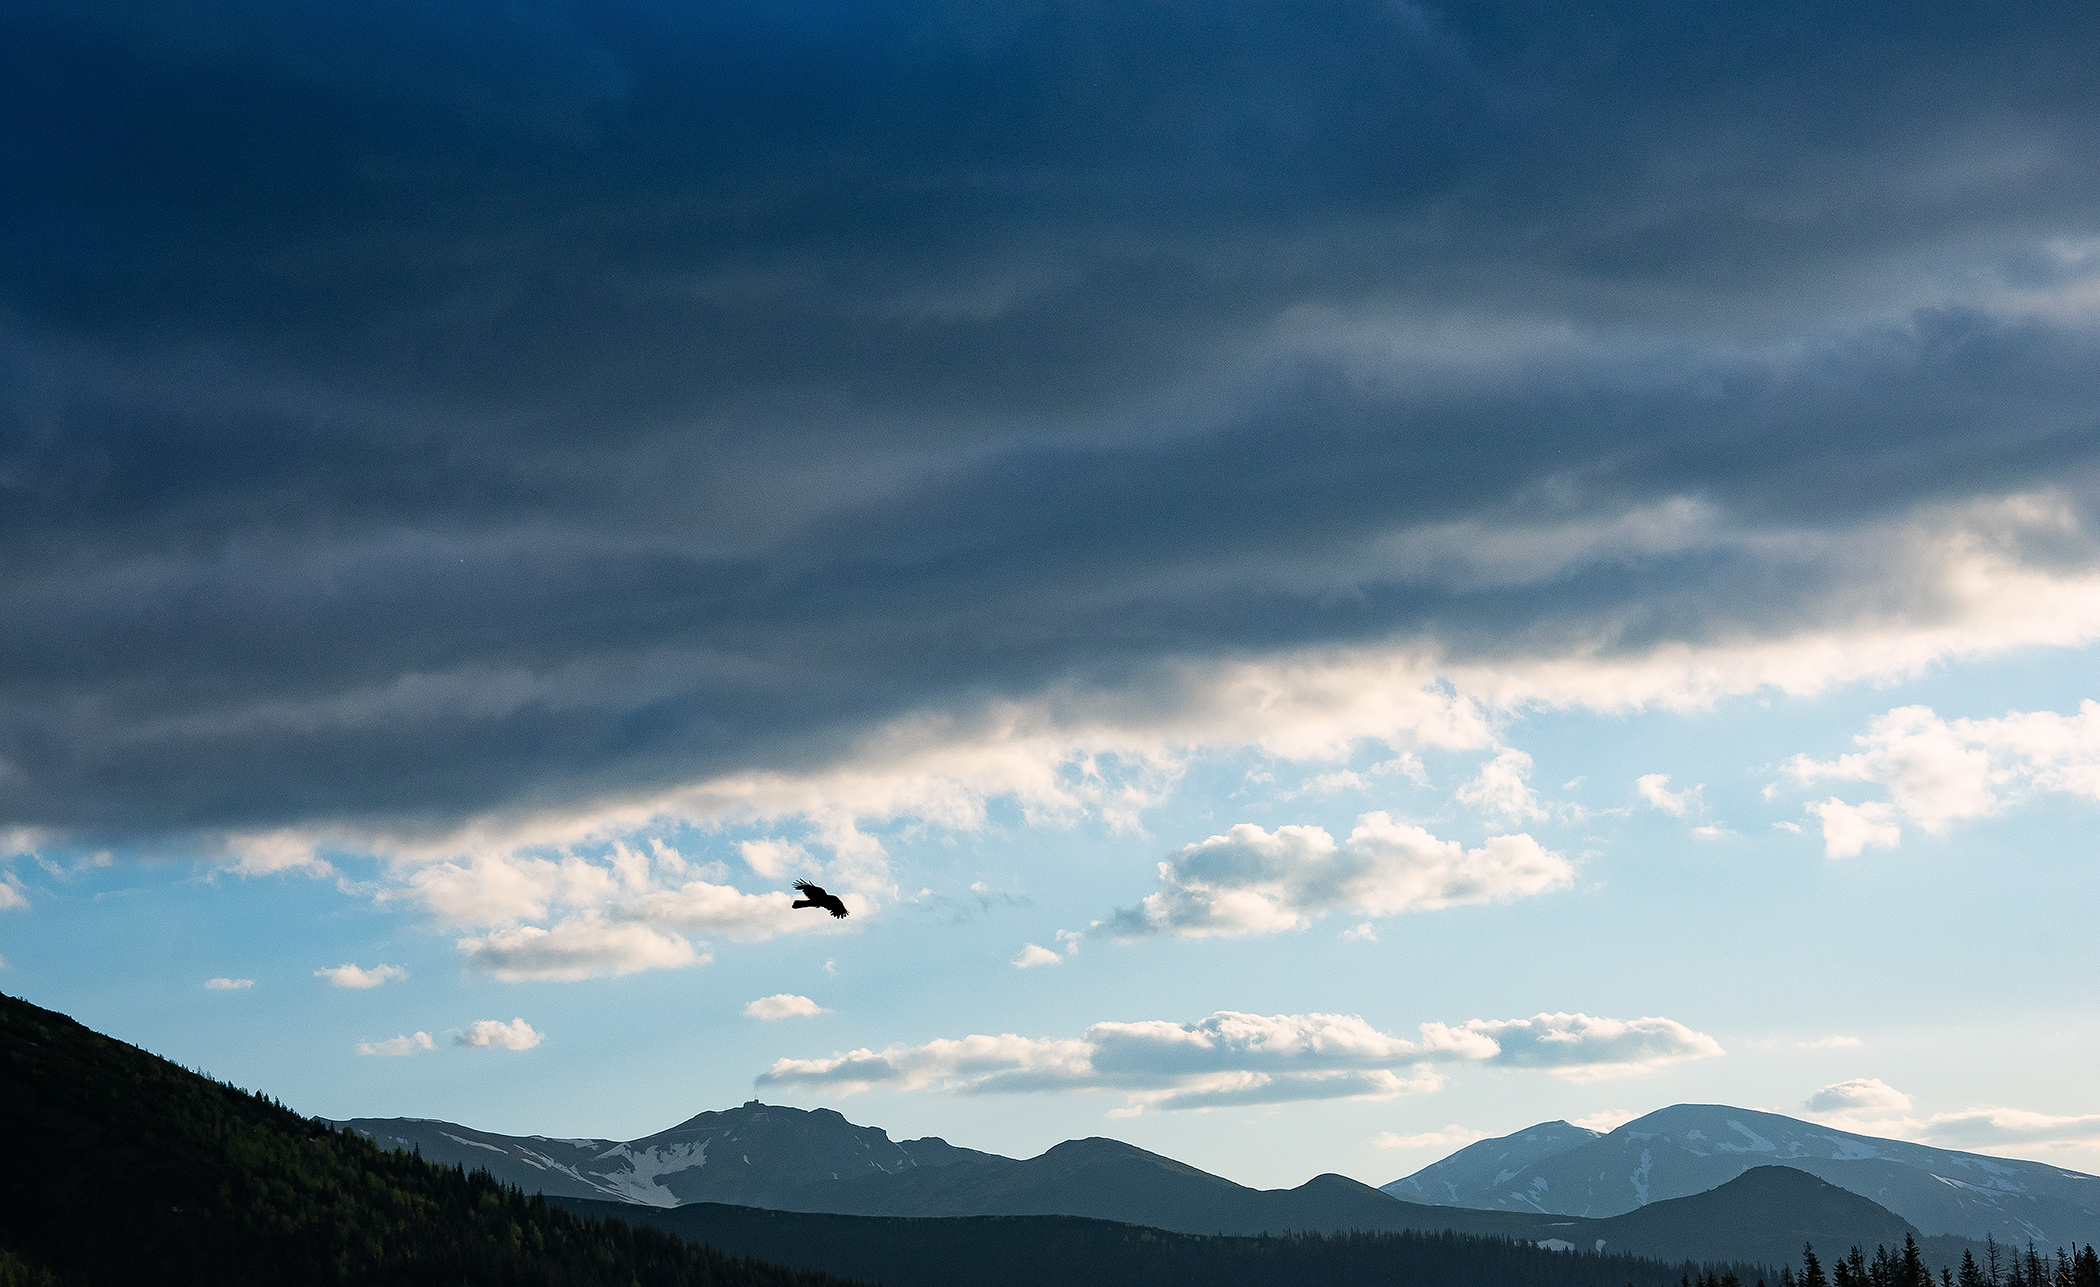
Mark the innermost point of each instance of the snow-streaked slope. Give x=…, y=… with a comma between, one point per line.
x=1690, y=1148
x=1484, y=1166
x=757, y=1155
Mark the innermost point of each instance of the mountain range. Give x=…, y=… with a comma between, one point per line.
x=789, y=1159
x=1559, y=1169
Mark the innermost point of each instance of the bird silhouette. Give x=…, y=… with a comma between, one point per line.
x=814, y=896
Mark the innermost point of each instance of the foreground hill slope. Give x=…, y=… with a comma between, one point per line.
x=121, y=1167
x=1690, y=1148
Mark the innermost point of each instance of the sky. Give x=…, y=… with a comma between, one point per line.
x=1325, y=580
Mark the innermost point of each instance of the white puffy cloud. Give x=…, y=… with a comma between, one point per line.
x=395, y=1047
x=782, y=1005
x=1253, y=881
x=584, y=947
x=1860, y=1094
x=1939, y=772
x=12, y=896
x=485, y=1034
x=1443, y=1141
x=1502, y=788
x=348, y=975
x=1580, y=1047
x=1655, y=789
x=1033, y=955
x=1234, y=1058
x=1848, y=829
x=624, y=910
x=228, y=985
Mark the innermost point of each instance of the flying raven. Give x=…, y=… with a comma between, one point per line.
x=814, y=896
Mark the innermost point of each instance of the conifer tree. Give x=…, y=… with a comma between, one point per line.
x=1971, y=1275
x=1811, y=1268
x=2086, y=1271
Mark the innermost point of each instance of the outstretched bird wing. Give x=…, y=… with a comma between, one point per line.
x=814, y=896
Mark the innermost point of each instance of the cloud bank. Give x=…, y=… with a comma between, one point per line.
x=1232, y=1058
x=444, y=432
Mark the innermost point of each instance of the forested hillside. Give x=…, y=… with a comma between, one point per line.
x=120, y=1167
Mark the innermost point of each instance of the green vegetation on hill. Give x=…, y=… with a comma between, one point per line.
x=120, y=1167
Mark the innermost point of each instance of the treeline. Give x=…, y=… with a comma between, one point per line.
x=2000, y=1267
x=120, y=1167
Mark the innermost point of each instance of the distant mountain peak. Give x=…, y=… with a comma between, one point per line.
x=1685, y=1149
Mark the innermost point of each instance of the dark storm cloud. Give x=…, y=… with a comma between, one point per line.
x=411, y=410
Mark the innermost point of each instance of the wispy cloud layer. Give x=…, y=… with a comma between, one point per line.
x=1233, y=1058
x=1869, y=1106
